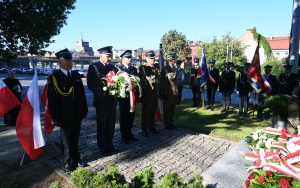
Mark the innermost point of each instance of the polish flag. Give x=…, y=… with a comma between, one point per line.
x=28, y=126
x=8, y=100
x=48, y=125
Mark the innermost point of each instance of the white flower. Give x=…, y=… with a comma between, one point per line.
x=268, y=144
x=104, y=88
x=255, y=136
x=263, y=137
x=113, y=92
x=114, y=78
x=257, y=146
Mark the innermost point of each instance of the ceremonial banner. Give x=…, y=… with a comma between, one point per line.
x=159, y=107
x=28, y=126
x=254, y=76
x=48, y=125
x=8, y=100
x=203, y=69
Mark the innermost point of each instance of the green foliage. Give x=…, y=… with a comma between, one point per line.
x=175, y=42
x=277, y=66
x=82, y=177
x=27, y=26
x=278, y=105
x=114, y=177
x=55, y=184
x=143, y=179
x=172, y=180
x=196, y=182
x=263, y=42
x=217, y=50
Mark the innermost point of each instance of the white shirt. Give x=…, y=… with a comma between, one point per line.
x=65, y=71
x=127, y=67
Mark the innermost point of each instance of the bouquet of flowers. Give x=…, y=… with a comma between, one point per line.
x=276, y=157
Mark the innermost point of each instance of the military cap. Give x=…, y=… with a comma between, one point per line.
x=150, y=54
x=64, y=54
x=171, y=56
x=178, y=62
x=105, y=50
x=268, y=67
x=127, y=54
x=229, y=63
x=286, y=67
x=196, y=60
x=247, y=64
x=212, y=61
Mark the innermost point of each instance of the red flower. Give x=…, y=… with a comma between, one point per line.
x=284, y=136
x=284, y=183
x=284, y=131
x=261, y=179
x=269, y=173
x=247, y=183
x=251, y=176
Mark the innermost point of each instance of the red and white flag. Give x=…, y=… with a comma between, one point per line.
x=8, y=100
x=48, y=125
x=28, y=126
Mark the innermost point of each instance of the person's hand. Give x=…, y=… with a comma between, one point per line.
x=57, y=124
x=249, y=94
x=237, y=92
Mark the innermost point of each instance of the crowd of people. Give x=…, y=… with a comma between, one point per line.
x=68, y=105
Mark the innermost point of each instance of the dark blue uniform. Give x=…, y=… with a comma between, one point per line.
x=105, y=107
x=126, y=117
x=227, y=84
x=244, y=88
x=212, y=87
x=195, y=84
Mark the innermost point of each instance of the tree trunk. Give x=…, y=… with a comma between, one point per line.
x=295, y=37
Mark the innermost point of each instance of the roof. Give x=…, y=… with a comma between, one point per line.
x=279, y=43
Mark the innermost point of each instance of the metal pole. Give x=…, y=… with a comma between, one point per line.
x=22, y=158
x=254, y=105
x=294, y=53
x=52, y=143
x=231, y=50
x=227, y=50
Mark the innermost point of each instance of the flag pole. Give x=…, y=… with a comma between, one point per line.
x=52, y=143
x=22, y=158
x=203, y=98
x=254, y=105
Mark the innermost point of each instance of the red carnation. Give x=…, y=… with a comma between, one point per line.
x=269, y=173
x=284, y=136
x=247, y=183
x=261, y=179
x=284, y=131
x=284, y=183
x=251, y=176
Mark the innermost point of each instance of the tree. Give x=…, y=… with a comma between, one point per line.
x=27, y=26
x=174, y=42
x=217, y=50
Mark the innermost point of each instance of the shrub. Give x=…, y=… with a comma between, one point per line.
x=278, y=105
x=172, y=180
x=82, y=177
x=196, y=182
x=55, y=184
x=143, y=179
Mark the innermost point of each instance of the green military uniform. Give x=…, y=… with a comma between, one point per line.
x=169, y=92
x=149, y=76
x=294, y=112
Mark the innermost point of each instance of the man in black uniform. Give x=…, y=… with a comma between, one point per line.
x=126, y=117
x=180, y=80
x=287, y=81
x=105, y=104
x=227, y=83
x=195, y=84
x=212, y=84
x=244, y=90
x=68, y=106
x=15, y=86
x=269, y=88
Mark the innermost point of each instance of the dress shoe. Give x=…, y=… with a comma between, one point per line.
x=212, y=109
x=172, y=125
x=240, y=114
x=245, y=115
x=125, y=140
x=169, y=127
x=207, y=108
x=223, y=110
x=133, y=138
x=194, y=105
x=113, y=150
x=153, y=130
x=82, y=163
x=145, y=133
x=68, y=167
x=104, y=152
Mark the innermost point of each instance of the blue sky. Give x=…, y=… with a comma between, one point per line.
x=133, y=24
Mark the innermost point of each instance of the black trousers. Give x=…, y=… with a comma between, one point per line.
x=261, y=103
x=180, y=88
x=169, y=104
x=149, y=108
x=211, y=97
x=106, y=119
x=226, y=99
x=69, y=133
x=10, y=118
x=126, y=117
x=244, y=102
x=196, y=95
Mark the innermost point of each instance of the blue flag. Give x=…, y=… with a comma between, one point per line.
x=203, y=69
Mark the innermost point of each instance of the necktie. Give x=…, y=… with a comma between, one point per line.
x=69, y=75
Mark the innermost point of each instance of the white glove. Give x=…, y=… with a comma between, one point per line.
x=237, y=92
x=249, y=94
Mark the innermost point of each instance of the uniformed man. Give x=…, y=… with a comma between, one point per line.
x=212, y=84
x=195, y=83
x=126, y=117
x=226, y=85
x=269, y=88
x=68, y=106
x=244, y=90
x=180, y=80
x=293, y=125
x=169, y=91
x=287, y=81
x=105, y=104
x=149, y=76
